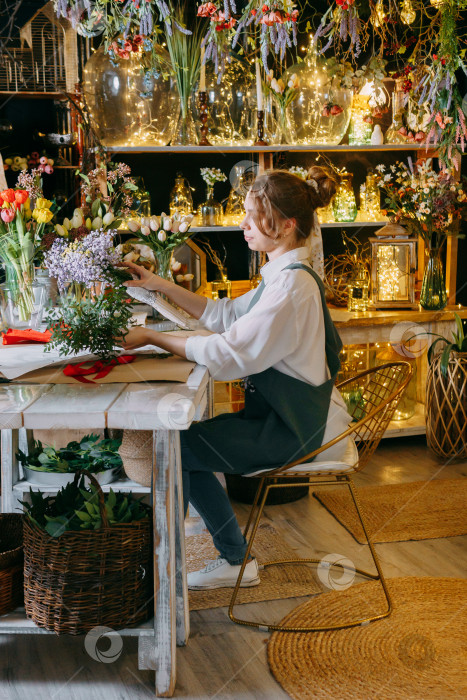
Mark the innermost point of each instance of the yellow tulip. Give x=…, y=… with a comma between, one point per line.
x=42, y=203
x=27, y=213
x=42, y=216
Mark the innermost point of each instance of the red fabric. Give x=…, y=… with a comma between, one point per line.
x=13, y=337
x=99, y=368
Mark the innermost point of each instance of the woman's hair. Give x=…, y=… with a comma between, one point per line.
x=281, y=195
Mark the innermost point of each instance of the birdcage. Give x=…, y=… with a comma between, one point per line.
x=44, y=59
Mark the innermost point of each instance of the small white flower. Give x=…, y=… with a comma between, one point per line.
x=162, y=236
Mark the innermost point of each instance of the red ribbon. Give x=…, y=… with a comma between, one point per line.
x=14, y=337
x=99, y=368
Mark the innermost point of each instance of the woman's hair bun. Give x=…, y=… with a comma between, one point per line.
x=323, y=185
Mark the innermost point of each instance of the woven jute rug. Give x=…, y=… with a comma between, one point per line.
x=419, y=510
x=277, y=582
x=420, y=651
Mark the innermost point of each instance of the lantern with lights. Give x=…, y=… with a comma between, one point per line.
x=393, y=264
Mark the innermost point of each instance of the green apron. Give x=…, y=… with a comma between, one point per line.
x=283, y=420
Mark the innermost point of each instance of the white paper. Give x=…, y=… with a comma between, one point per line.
x=163, y=307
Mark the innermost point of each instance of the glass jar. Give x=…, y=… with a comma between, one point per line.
x=231, y=103
x=221, y=289
x=361, y=123
x=399, y=101
x=181, y=201
x=21, y=305
x=210, y=213
x=344, y=205
x=358, y=289
x=235, y=209
x=142, y=200
x=311, y=114
x=433, y=294
x=372, y=198
x=128, y=106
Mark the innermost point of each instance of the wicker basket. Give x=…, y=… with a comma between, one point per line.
x=80, y=580
x=446, y=407
x=11, y=561
x=136, y=452
x=243, y=489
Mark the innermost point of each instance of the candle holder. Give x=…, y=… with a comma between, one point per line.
x=203, y=117
x=260, y=129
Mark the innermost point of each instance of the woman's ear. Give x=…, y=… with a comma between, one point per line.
x=289, y=227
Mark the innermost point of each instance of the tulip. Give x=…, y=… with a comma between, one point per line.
x=176, y=265
x=145, y=230
x=42, y=216
x=21, y=196
x=154, y=223
x=8, y=195
x=131, y=256
x=133, y=225
x=7, y=215
x=175, y=226
x=96, y=223
x=162, y=236
x=88, y=223
x=180, y=278
x=145, y=221
x=108, y=218
x=167, y=225
x=42, y=203
x=188, y=277
x=67, y=223
x=183, y=227
x=61, y=230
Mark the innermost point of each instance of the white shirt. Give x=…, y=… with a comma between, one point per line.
x=283, y=330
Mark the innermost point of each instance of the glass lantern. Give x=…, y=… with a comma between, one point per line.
x=361, y=123
x=181, y=201
x=231, y=105
x=393, y=265
x=129, y=107
x=344, y=205
x=318, y=95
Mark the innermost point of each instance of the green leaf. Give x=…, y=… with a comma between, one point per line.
x=85, y=517
x=95, y=207
x=460, y=328
x=446, y=354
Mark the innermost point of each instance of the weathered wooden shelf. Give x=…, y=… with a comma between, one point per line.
x=341, y=148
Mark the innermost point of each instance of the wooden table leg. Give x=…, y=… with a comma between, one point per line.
x=165, y=564
x=9, y=470
x=183, y=612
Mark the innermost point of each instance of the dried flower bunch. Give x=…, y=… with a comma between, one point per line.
x=426, y=202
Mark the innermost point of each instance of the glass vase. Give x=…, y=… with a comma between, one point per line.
x=344, y=204
x=284, y=124
x=210, y=213
x=164, y=264
x=22, y=299
x=185, y=133
x=433, y=295
x=181, y=201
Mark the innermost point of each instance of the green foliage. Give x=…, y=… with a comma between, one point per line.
x=91, y=453
x=94, y=323
x=76, y=507
x=459, y=344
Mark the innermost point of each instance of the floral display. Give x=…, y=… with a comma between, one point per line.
x=93, y=313
x=426, y=202
x=299, y=171
x=212, y=175
x=21, y=233
x=43, y=163
x=109, y=193
x=142, y=255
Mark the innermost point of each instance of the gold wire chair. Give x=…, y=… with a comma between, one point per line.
x=374, y=394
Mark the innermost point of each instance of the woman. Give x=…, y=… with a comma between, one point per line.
x=281, y=338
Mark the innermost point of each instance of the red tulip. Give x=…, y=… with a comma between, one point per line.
x=8, y=195
x=21, y=196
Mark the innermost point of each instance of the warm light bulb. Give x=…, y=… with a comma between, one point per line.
x=408, y=14
x=436, y=3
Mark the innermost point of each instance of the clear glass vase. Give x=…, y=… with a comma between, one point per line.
x=433, y=295
x=164, y=264
x=185, y=133
x=210, y=213
x=344, y=204
x=22, y=299
x=284, y=123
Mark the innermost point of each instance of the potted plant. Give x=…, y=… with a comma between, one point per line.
x=446, y=395
x=47, y=466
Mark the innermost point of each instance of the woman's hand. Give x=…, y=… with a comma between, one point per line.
x=144, y=278
x=136, y=337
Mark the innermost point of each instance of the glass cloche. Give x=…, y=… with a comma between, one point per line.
x=320, y=113
x=231, y=104
x=130, y=107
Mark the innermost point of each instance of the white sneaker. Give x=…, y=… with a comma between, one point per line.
x=220, y=574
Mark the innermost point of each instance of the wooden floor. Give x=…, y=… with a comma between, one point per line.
x=223, y=660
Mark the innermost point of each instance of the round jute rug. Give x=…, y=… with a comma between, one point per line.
x=419, y=652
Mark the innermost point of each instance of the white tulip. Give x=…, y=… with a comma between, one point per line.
x=96, y=223
x=183, y=227
x=145, y=230
x=134, y=225
x=67, y=224
x=175, y=226
x=154, y=224
x=188, y=277
x=131, y=256
x=176, y=265
x=167, y=225
x=61, y=230
x=145, y=221
x=162, y=236
x=180, y=278
x=108, y=218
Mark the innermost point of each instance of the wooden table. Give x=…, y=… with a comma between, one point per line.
x=167, y=407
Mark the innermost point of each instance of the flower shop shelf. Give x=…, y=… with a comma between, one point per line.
x=16, y=622
x=342, y=148
x=330, y=224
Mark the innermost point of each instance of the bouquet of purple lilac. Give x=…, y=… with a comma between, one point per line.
x=93, y=309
